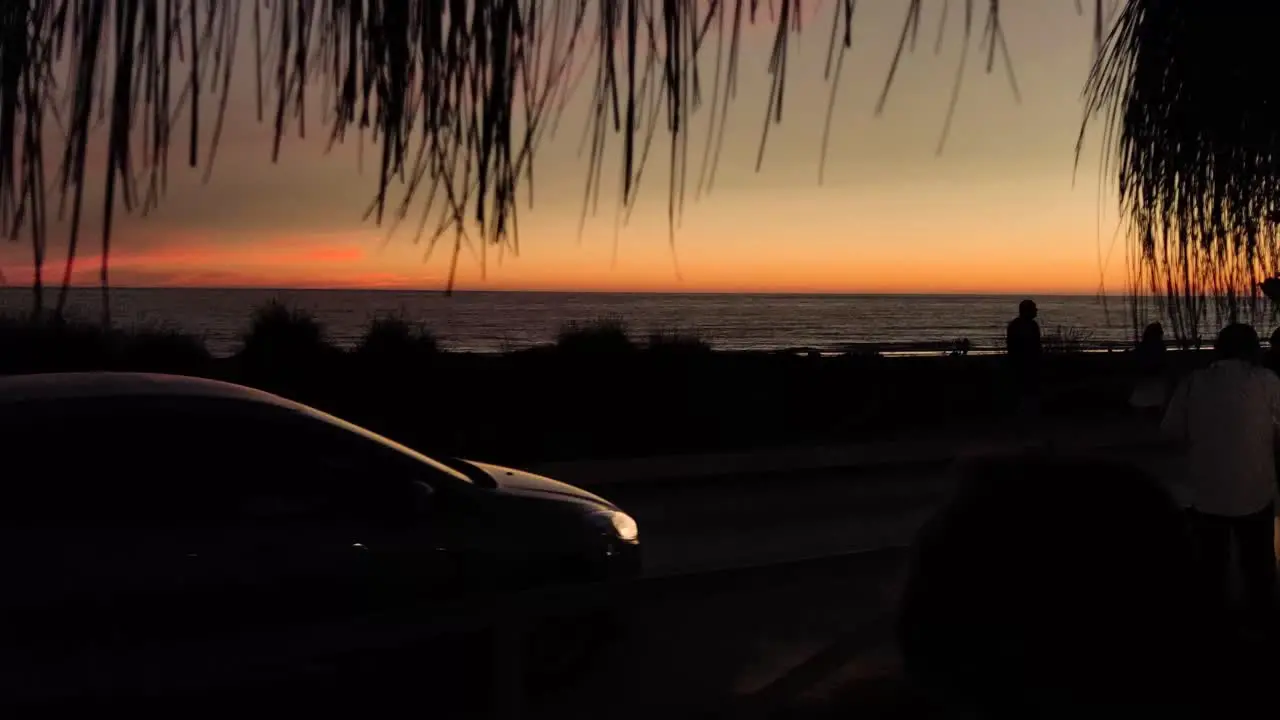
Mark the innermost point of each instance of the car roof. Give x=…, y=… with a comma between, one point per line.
x=86, y=385
x=50, y=387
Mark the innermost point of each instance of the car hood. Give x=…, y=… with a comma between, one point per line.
x=521, y=482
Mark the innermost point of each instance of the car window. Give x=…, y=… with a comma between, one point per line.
x=161, y=463
x=276, y=466
x=87, y=469
x=300, y=474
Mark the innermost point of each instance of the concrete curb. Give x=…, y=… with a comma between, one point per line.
x=894, y=454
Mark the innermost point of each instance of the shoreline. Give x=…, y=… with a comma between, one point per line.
x=923, y=349
x=604, y=335
x=489, y=323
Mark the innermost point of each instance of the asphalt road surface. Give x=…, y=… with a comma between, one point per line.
x=742, y=521
x=782, y=635
x=736, y=522
x=698, y=648
x=762, y=592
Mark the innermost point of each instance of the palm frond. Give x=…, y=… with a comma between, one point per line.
x=1186, y=94
x=456, y=94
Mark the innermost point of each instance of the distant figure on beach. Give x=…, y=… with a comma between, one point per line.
x=1151, y=389
x=1022, y=336
x=1022, y=343
x=1227, y=417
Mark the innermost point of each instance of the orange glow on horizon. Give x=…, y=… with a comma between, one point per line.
x=351, y=262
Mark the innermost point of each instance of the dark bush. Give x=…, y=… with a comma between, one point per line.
x=1066, y=340
x=607, y=334
x=164, y=350
x=55, y=345
x=285, y=351
x=676, y=341
x=393, y=337
x=278, y=332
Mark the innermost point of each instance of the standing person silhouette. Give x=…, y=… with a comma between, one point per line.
x=1228, y=414
x=1151, y=389
x=1022, y=343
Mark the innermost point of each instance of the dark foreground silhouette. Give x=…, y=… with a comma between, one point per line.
x=1052, y=587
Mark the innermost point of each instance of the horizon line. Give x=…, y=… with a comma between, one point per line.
x=595, y=291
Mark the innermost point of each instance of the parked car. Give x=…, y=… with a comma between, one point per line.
x=152, y=520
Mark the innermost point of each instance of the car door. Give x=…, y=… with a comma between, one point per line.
x=169, y=537
x=94, y=542
x=312, y=531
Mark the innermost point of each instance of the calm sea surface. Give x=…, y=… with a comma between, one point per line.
x=494, y=321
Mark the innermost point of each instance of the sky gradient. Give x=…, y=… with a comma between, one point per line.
x=1000, y=210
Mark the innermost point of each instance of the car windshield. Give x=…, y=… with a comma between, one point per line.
x=475, y=474
x=384, y=441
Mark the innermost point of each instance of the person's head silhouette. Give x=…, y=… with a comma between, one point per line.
x=1153, y=334
x=1027, y=310
x=1051, y=584
x=1238, y=341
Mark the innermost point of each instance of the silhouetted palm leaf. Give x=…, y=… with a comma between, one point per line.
x=457, y=93
x=1187, y=91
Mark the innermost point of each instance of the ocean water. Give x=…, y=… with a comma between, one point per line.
x=496, y=321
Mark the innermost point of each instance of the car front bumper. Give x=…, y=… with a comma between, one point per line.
x=621, y=561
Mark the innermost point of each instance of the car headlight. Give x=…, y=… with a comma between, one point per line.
x=617, y=524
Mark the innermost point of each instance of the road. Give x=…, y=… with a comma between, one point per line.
x=729, y=614
x=729, y=522
x=787, y=635
x=762, y=520
x=698, y=648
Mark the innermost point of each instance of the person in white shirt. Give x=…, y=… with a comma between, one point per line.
x=1227, y=415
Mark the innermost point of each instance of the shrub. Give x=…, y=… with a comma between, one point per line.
x=393, y=336
x=158, y=349
x=1067, y=340
x=55, y=345
x=603, y=335
x=52, y=344
x=677, y=341
x=278, y=333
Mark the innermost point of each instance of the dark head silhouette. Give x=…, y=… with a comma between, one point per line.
x=1153, y=333
x=1238, y=341
x=1027, y=309
x=1051, y=584
x=1271, y=288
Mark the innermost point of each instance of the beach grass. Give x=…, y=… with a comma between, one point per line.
x=674, y=340
x=277, y=329
x=607, y=334
x=51, y=345
x=395, y=336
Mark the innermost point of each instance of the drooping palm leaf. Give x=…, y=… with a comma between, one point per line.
x=1188, y=93
x=456, y=93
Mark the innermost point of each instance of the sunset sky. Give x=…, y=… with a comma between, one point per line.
x=1000, y=210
